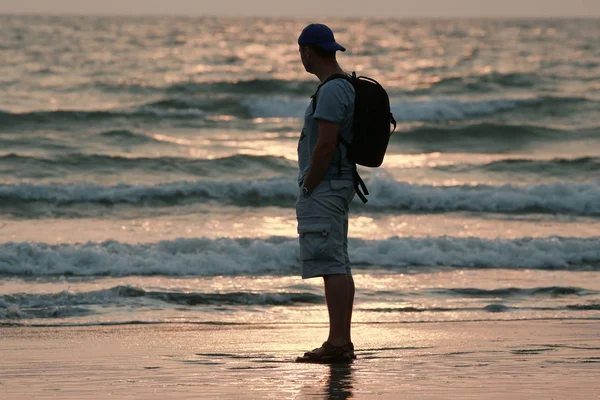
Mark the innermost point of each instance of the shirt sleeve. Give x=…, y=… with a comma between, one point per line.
x=332, y=102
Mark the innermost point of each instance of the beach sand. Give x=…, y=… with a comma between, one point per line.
x=460, y=360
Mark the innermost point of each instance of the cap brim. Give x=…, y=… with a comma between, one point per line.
x=331, y=46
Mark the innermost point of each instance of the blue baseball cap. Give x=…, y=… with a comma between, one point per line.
x=321, y=36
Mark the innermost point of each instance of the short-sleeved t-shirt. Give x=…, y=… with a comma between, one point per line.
x=335, y=103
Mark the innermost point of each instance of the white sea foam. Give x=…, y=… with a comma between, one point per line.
x=277, y=255
x=560, y=197
x=440, y=110
x=197, y=257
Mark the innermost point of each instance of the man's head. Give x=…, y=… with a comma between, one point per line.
x=317, y=45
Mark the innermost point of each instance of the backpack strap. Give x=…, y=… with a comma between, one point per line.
x=359, y=185
x=332, y=77
x=341, y=141
x=314, y=106
x=393, y=120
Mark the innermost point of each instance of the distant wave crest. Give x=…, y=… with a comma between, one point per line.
x=66, y=304
x=433, y=109
x=562, y=167
x=385, y=194
x=279, y=255
x=57, y=166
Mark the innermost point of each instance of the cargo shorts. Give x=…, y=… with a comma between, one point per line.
x=323, y=229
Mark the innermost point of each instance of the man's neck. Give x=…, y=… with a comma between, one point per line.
x=327, y=70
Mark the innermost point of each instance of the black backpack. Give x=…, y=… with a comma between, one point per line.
x=371, y=127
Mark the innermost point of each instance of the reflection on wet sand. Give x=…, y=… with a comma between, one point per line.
x=339, y=384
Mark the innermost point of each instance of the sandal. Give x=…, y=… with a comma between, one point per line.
x=331, y=355
x=350, y=349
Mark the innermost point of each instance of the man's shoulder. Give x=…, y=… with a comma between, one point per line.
x=338, y=84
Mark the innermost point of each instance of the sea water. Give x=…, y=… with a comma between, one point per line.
x=147, y=171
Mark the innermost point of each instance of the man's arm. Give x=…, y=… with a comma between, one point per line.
x=322, y=153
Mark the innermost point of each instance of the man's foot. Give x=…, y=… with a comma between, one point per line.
x=327, y=354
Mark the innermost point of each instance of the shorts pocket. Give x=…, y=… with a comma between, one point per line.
x=315, y=239
x=336, y=184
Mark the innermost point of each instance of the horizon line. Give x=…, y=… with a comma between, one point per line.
x=298, y=17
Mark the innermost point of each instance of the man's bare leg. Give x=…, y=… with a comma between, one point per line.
x=348, y=334
x=339, y=294
x=338, y=290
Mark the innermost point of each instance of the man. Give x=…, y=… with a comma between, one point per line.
x=326, y=189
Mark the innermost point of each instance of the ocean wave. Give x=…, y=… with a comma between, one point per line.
x=203, y=105
x=16, y=313
x=277, y=106
x=558, y=167
x=486, y=137
x=77, y=163
x=479, y=132
x=584, y=307
x=551, y=291
x=443, y=109
x=491, y=308
x=144, y=113
x=433, y=109
x=248, y=86
x=248, y=192
x=11, y=120
x=463, y=84
x=487, y=82
x=386, y=194
x=127, y=137
x=70, y=304
x=279, y=256
x=554, y=198
x=491, y=82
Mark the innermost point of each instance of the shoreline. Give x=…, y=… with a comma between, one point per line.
x=275, y=325
x=458, y=360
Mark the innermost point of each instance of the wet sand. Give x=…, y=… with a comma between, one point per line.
x=462, y=360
